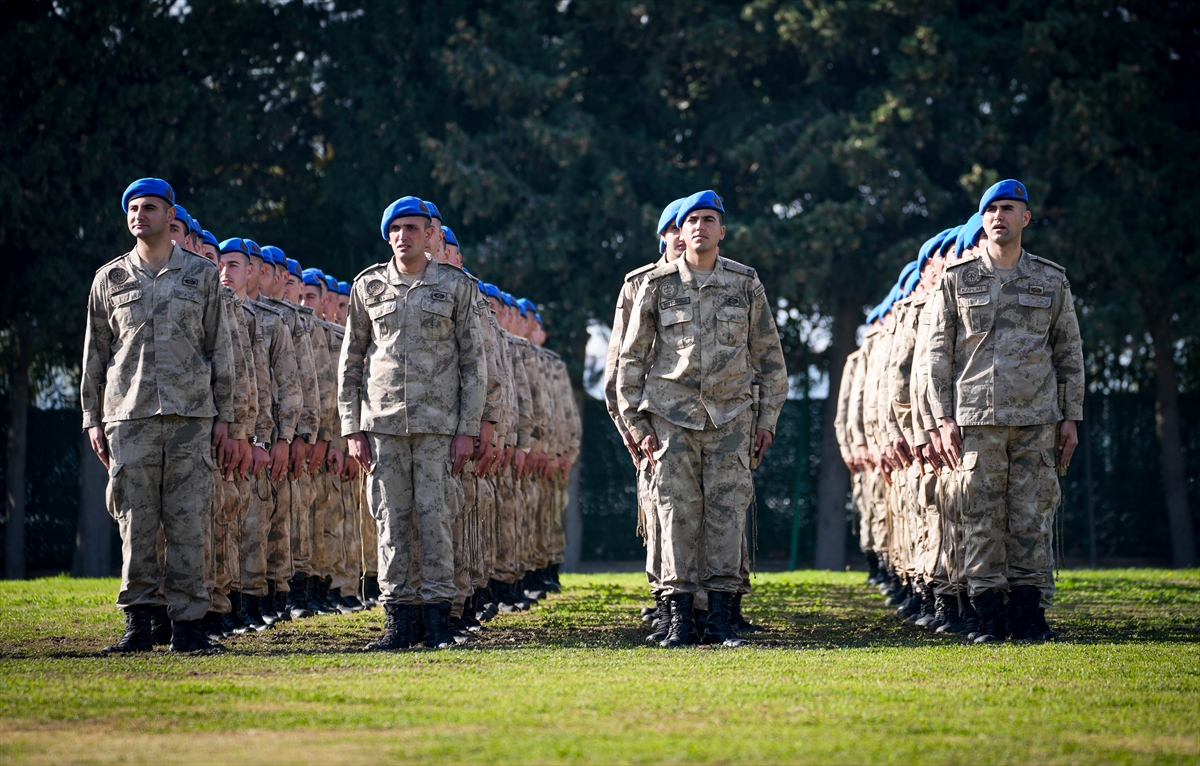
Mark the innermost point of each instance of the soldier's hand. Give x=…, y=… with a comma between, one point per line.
x=279, y=460
x=99, y=444
x=951, y=442
x=242, y=465
x=336, y=462
x=631, y=445
x=762, y=442
x=648, y=447
x=903, y=451
x=300, y=452
x=889, y=460
x=1068, y=440
x=226, y=450
x=461, y=449
x=316, y=456
x=360, y=451
x=259, y=458
x=487, y=431
x=518, y=463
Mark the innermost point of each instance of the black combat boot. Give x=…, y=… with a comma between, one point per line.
x=318, y=596
x=438, y=634
x=552, y=578
x=138, y=635
x=283, y=613
x=738, y=621
x=928, y=607
x=683, y=622
x=232, y=621
x=970, y=619
x=660, y=621
x=397, y=629
x=470, y=622
x=160, y=625
x=872, y=567
x=911, y=606
x=898, y=595
x=488, y=604
x=352, y=603
x=1040, y=623
x=212, y=626
x=297, y=597
x=531, y=588
x=718, y=630
x=952, y=618
x=1023, y=613
x=266, y=606
x=252, y=612
x=187, y=636
x=371, y=587
x=993, y=623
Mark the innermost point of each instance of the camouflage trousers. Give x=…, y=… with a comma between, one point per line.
x=302, y=498
x=160, y=476
x=279, y=533
x=702, y=488
x=1009, y=492
x=507, y=548
x=948, y=570
x=353, y=542
x=877, y=508
x=858, y=484
x=485, y=504
x=409, y=491
x=226, y=528
x=651, y=533
x=254, y=528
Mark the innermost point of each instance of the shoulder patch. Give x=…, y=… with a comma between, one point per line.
x=1048, y=262
x=261, y=304
x=962, y=261
x=112, y=262
x=640, y=270
x=662, y=271
x=305, y=310
x=117, y=275
x=739, y=268
x=368, y=270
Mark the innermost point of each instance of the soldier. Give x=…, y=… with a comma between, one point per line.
x=412, y=381
x=1006, y=374
x=157, y=370
x=707, y=321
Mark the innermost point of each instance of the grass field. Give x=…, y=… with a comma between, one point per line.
x=836, y=679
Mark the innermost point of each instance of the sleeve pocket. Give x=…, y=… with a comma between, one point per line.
x=676, y=316
x=382, y=309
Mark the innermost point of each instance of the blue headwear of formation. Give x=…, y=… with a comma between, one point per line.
x=947, y=245
x=527, y=307
x=147, y=187
x=233, y=245
x=314, y=277
x=1007, y=189
x=666, y=219
x=255, y=251
x=490, y=290
x=183, y=217
x=969, y=236
x=905, y=273
x=293, y=267
x=210, y=238
x=405, y=206
x=872, y=315
x=344, y=288
x=538, y=317
x=910, y=283
x=271, y=255
x=928, y=249
x=450, y=238
x=433, y=210
x=885, y=308
x=331, y=284
x=705, y=200
x=194, y=226
x=509, y=300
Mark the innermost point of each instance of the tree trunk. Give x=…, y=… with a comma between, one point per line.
x=1170, y=444
x=14, y=477
x=834, y=481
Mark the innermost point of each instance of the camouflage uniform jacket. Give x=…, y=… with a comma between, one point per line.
x=999, y=349
x=413, y=361
x=262, y=423
x=283, y=377
x=157, y=344
x=880, y=351
x=841, y=418
x=901, y=420
x=326, y=362
x=922, y=415
x=705, y=344
x=537, y=392
x=299, y=321
x=856, y=430
x=523, y=396
x=244, y=350
x=629, y=288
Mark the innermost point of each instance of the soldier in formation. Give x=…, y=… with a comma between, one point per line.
x=281, y=444
x=956, y=416
x=694, y=383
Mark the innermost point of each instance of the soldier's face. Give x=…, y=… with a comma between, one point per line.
x=702, y=230
x=342, y=307
x=211, y=253
x=179, y=233
x=253, y=273
x=291, y=288
x=673, y=238
x=409, y=236
x=1004, y=219
x=148, y=217
x=329, y=304
x=280, y=280
x=437, y=241
x=310, y=296
x=234, y=271
x=452, y=256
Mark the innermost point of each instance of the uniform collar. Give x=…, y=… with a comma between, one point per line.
x=174, y=263
x=987, y=268
x=688, y=278
x=428, y=276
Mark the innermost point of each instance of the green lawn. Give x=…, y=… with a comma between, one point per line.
x=837, y=678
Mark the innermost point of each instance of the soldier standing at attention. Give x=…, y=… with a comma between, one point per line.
x=412, y=380
x=1007, y=380
x=706, y=321
x=157, y=370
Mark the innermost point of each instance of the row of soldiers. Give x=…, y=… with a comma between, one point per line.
x=956, y=417
x=215, y=392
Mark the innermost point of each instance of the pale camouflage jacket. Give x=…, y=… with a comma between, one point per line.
x=999, y=349
x=412, y=362
x=629, y=288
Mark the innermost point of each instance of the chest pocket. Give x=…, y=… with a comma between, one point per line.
x=731, y=325
x=978, y=313
x=1034, y=313
x=128, y=308
x=437, y=316
x=383, y=318
x=677, y=326
x=186, y=306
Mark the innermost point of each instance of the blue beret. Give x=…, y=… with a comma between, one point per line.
x=433, y=210
x=194, y=226
x=314, y=277
x=508, y=299
x=527, y=306
x=705, y=200
x=256, y=251
x=293, y=267
x=666, y=219
x=910, y=284
x=400, y=208
x=969, y=236
x=344, y=288
x=905, y=272
x=951, y=238
x=1008, y=189
x=234, y=245
x=490, y=290
x=147, y=187
x=450, y=238
x=928, y=248
x=330, y=283
x=872, y=315
x=210, y=238
x=183, y=217
x=273, y=255
x=538, y=317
